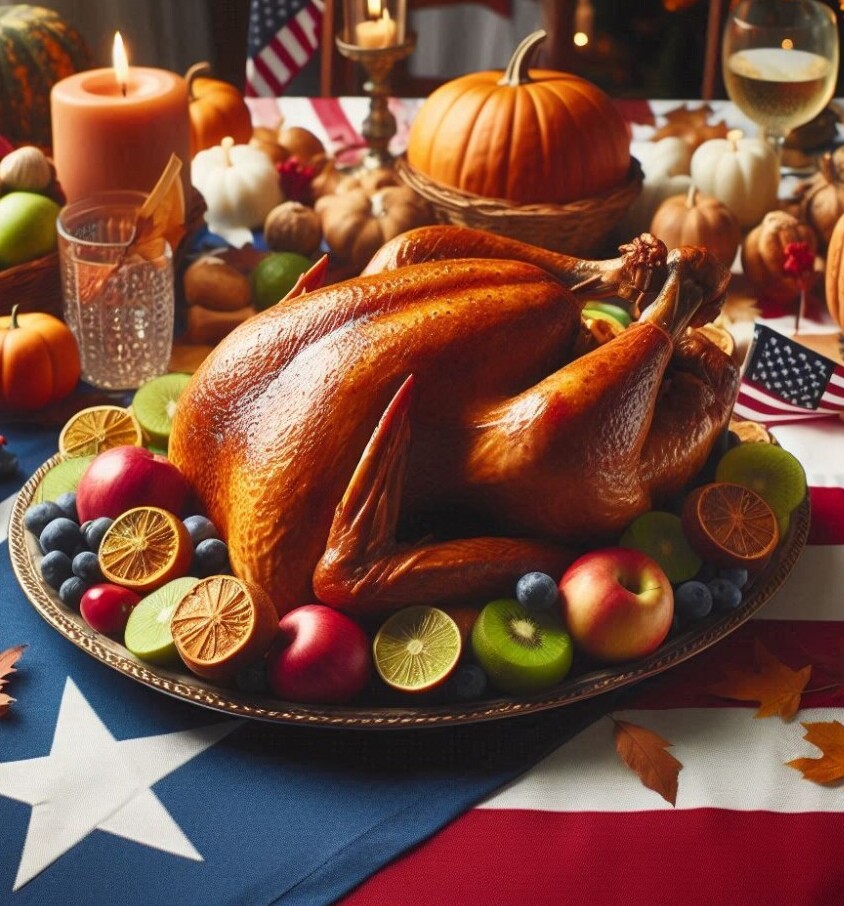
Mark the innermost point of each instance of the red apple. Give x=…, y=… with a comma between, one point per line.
x=617, y=604
x=106, y=607
x=125, y=477
x=322, y=657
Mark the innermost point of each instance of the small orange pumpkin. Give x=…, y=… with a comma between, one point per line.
x=698, y=219
x=39, y=361
x=217, y=110
x=545, y=137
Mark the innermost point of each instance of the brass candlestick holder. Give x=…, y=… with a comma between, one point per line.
x=380, y=125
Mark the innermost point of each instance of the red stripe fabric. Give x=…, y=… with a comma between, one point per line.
x=827, y=526
x=489, y=858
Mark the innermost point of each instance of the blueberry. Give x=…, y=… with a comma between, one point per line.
x=38, y=516
x=71, y=591
x=693, y=601
x=200, y=528
x=93, y=534
x=211, y=558
x=467, y=683
x=86, y=565
x=252, y=678
x=60, y=534
x=737, y=575
x=706, y=572
x=537, y=591
x=55, y=568
x=726, y=595
x=67, y=504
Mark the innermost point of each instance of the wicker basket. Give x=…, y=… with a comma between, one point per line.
x=36, y=285
x=581, y=228
x=33, y=286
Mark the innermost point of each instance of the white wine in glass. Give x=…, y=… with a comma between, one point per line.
x=780, y=62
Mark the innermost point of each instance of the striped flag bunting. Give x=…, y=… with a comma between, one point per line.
x=786, y=382
x=283, y=36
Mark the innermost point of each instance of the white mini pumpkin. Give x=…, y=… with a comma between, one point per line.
x=239, y=185
x=743, y=173
x=665, y=164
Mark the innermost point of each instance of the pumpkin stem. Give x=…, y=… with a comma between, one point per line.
x=690, y=196
x=734, y=136
x=13, y=322
x=227, y=144
x=198, y=69
x=827, y=168
x=516, y=72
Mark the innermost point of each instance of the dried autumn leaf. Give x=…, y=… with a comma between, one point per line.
x=692, y=125
x=643, y=751
x=774, y=685
x=828, y=736
x=8, y=659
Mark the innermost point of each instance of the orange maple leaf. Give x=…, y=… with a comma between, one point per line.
x=644, y=752
x=828, y=736
x=8, y=659
x=775, y=686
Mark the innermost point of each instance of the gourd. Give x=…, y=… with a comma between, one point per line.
x=665, y=164
x=355, y=225
x=834, y=273
x=39, y=361
x=240, y=187
x=697, y=219
x=293, y=227
x=822, y=201
x=540, y=137
x=763, y=254
x=741, y=172
x=216, y=109
x=37, y=49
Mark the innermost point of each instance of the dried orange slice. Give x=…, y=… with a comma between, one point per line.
x=144, y=548
x=99, y=428
x=416, y=648
x=730, y=525
x=222, y=625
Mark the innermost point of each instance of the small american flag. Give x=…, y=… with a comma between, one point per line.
x=786, y=382
x=283, y=36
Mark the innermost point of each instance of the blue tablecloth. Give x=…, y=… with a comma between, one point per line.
x=113, y=792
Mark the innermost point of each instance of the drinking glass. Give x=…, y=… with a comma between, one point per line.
x=780, y=62
x=119, y=305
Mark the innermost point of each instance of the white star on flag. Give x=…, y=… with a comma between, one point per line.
x=92, y=781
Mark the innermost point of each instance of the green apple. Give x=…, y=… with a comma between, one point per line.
x=27, y=227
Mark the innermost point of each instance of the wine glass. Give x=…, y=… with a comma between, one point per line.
x=780, y=62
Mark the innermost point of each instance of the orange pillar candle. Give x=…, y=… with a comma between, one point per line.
x=116, y=128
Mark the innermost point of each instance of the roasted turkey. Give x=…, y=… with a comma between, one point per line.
x=431, y=430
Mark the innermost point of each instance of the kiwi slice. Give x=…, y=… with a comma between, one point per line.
x=148, y=634
x=520, y=650
x=775, y=474
x=154, y=406
x=62, y=477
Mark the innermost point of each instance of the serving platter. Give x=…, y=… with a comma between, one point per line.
x=25, y=556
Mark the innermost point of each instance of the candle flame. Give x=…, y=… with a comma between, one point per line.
x=374, y=8
x=120, y=61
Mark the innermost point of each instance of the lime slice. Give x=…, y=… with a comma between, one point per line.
x=660, y=535
x=617, y=325
x=148, y=634
x=775, y=474
x=416, y=648
x=607, y=308
x=155, y=404
x=62, y=477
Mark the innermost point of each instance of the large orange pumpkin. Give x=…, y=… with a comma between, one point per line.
x=39, y=361
x=217, y=110
x=544, y=137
